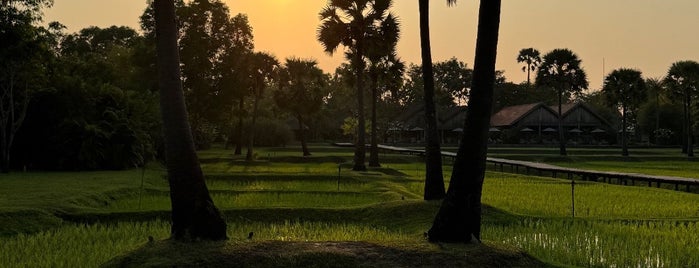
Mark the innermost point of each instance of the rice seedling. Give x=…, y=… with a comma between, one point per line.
x=603, y=244
x=256, y=199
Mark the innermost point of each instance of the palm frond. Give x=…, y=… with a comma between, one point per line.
x=331, y=34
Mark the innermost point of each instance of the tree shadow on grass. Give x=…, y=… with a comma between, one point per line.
x=321, y=254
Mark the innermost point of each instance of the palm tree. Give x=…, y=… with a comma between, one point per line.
x=560, y=70
x=531, y=58
x=459, y=217
x=434, y=178
x=262, y=67
x=381, y=53
x=194, y=215
x=301, y=90
x=683, y=80
x=656, y=87
x=625, y=89
x=352, y=23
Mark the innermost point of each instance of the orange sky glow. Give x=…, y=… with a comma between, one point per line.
x=645, y=34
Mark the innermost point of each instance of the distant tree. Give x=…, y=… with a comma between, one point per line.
x=352, y=23
x=560, y=71
x=381, y=55
x=656, y=96
x=234, y=73
x=459, y=217
x=412, y=92
x=24, y=51
x=683, y=80
x=194, y=215
x=262, y=71
x=208, y=37
x=301, y=92
x=454, y=77
x=531, y=59
x=625, y=89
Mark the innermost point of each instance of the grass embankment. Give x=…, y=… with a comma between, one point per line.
x=294, y=207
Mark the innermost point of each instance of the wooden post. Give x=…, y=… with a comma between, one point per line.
x=572, y=197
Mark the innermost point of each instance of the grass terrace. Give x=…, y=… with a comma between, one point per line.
x=302, y=217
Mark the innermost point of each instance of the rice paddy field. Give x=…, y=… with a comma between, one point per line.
x=86, y=219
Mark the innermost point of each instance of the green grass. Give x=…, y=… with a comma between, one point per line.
x=605, y=243
x=256, y=200
x=293, y=205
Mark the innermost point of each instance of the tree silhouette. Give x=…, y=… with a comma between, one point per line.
x=194, y=215
x=24, y=52
x=381, y=54
x=352, y=24
x=434, y=178
x=459, y=217
x=560, y=71
x=531, y=59
x=301, y=92
x=262, y=67
x=683, y=80
x=625, y=89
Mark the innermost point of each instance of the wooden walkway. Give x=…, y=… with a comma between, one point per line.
x=541, y=169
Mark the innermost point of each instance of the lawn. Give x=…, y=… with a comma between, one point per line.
x=297, y=206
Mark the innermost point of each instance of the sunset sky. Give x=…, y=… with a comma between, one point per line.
x=645, y=34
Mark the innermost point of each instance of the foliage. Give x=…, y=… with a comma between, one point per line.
x=560, y=71
x=25, y=51
x=452, y=83
x=302, y=87
x=531, y=59
x=214, y=47
x=99, y=113
x=509, y=94
x=683, y=82
x=625, y=89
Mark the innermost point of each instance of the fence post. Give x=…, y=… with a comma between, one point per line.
x=572, y=197
x=339, y=174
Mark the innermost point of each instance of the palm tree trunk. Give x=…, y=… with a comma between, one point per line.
x=561, y=133
x=434, y=178
x=374, y=150
x=302, y=136
x=690, y=134
x=251, y=134
x=194, y=215
x=624, y=142
x=360, y=146
x=239, y=129
x=685, y=125
x=459, y=217
x=529, y=69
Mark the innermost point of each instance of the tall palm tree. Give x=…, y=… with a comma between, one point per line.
x=459, y=217
x=683, y=80
x=381, y=54
x=194, y=214
x=625, y=89
x=531, y=59
x=261, y=71
x=352, y=23
x=560, y=70
x=434, y=178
